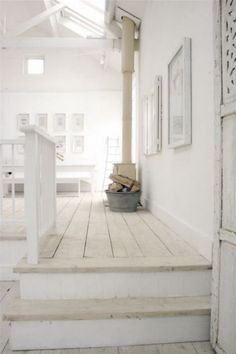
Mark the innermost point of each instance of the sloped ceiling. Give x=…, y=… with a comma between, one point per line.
x=15, y=12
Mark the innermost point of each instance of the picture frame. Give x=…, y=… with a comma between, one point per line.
x=77, y=122
x=158, y=114
x=145, y=123
x=152, y=117
x=60, y=122
x=180, y=97
x=77, y=144
x=20, y=148
x=23, y=120
x=42, y=121
x=61, y=144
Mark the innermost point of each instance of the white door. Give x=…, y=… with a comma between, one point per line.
x=223, y=334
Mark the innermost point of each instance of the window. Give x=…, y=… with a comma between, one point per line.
x=35, y=66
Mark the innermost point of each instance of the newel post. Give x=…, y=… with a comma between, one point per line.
x=32, y=194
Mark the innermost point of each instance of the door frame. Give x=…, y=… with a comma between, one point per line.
x=219, y=233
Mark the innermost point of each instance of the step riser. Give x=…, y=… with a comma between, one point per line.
x=28, y=335
x=110, y=285
x=10, y=254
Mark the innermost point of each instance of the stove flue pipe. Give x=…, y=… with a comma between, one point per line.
x=127, y=50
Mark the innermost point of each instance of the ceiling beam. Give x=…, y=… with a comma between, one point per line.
x=76, y=27
x=52, y=18
x=113, y=29
x=34, y=21
x=110, y=11
x=58, y=42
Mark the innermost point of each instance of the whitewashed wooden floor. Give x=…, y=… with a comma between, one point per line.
x=86, y=228
x=9, y=290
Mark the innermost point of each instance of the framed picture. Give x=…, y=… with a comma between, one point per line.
x=20, y=149
x=145, y=124
x=157, y=111
x=23, y=119
x=60, y=122
x=77, y=144
x=77, y=122
x=152, y=118
x=60, y=144
x=179, y=92
x=42, y=121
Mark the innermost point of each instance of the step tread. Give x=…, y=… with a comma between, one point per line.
x=48, y=310
x=102, y=265
x=12, y=237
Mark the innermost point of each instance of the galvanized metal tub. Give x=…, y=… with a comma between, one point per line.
x=123, y=201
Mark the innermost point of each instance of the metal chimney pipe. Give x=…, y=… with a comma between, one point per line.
x=127, y=50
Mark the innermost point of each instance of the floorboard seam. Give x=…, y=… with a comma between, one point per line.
x=67, y=226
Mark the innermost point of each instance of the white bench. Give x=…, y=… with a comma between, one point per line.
x=65, y=174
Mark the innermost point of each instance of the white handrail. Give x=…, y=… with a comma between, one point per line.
x=40, y=187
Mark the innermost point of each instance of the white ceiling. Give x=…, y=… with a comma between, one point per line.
x=15, y=12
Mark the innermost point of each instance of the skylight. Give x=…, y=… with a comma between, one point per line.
x=84, y=17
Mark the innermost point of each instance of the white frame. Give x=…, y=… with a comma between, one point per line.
x=21, y=117
x=61, y=150
x=182, y=100
x=152, y=119
x=60, y=126
x=77, y=122
x=20, y=148
x=42, y=121
x=145, y=123
x=73, y=142
x=158, y=113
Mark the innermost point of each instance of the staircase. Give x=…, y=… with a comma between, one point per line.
x=73, y=303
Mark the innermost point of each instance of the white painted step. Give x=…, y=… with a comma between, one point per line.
x=114, y=322
x=121, y=278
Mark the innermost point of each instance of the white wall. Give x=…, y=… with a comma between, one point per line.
x=72, y=83
x=178, y=183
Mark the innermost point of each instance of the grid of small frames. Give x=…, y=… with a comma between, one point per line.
x=67, y=129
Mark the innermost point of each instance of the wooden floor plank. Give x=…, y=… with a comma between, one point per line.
x=5, y=287
x=98, y=243
x=203, y=348
x=4, y=304
x=61, y=203
x=123, y=242
x=73, y=242
x=176, y=245
x=107, y=350
x=65, y=216
x=146, y=239
x=50, y=243
x=79, y=224
x=139, y=349
x=179, y=348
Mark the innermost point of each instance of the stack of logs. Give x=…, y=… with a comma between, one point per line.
x=123, y=184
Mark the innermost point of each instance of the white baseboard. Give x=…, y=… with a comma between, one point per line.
x=201, y=242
